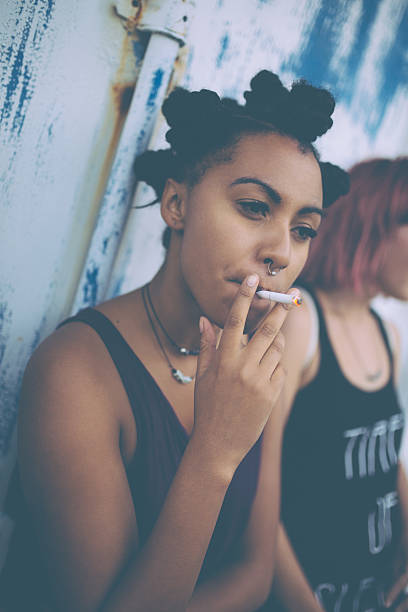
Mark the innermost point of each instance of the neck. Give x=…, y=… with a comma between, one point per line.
x=344, y=302
x=176, y=308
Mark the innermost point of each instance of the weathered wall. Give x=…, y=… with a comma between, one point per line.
x=67, y=74
x=65, y=68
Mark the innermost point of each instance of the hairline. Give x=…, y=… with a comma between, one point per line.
x=194, y=174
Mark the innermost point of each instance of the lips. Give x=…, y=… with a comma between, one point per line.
x=260, y=286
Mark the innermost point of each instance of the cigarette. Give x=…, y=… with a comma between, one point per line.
x=283, y=298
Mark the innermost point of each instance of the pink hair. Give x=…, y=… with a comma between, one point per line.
x=351, y=241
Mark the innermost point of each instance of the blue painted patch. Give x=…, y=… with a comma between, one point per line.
x=8, y=414
x=138, y=50
x=5, y=323
x=360, y=43
x=38, y=334
x=224, y=44
x=156, y=83
x=19, y=57
x=25, y=95
x=118, y=287
x=140, y=139
x=16, y=71
x=394, y=70
x=90, y=290
x=313, y=62
x=105, y=245
x=49, y=8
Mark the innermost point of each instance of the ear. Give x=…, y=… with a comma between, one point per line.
x=173, y=204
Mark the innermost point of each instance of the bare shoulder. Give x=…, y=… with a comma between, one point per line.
x=74, y=363
x=297, y=330
x=71, y=400
x=394, y=339
x=73, y=447
x=68, y=364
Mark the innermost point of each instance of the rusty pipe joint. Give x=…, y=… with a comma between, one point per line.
x=168, y=17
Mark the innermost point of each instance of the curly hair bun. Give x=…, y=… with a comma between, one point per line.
x=154, y=168
x=267, y=94
x=186, y=112
x=182, y=106
x=304, y=111
x=335, y=181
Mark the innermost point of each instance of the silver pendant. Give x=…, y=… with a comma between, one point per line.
x=373, y=377
x=180, y=377
x=185, y=351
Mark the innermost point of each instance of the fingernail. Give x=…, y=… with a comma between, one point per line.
x=252, y=280
x=201, y=325
x=294, y=291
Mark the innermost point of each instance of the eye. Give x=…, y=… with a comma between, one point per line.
x=304, y=232
x=254, y=208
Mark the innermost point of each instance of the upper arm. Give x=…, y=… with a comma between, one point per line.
x=297, y=332
x=73, y=475
x=395, y=344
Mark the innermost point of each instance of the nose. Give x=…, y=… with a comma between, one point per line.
x=275, y=251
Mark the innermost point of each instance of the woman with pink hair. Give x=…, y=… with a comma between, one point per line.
x=343, y=540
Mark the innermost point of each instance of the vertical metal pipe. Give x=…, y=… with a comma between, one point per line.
x=150, y=90
x=168, y=21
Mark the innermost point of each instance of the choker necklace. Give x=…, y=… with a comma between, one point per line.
x=181, y=349
x=177, y=374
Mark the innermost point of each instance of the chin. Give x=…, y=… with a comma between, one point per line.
x=401, y=295
x=398, y=293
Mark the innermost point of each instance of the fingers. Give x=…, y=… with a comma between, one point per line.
x=265, y=337
x=265, y=340
x=396, y=589
x=273, y=354
x=236, y=319
x=207, y=346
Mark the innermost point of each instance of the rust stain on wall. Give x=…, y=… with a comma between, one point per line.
x=121, y=93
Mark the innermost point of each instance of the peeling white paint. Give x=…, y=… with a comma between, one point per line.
x=50, y=167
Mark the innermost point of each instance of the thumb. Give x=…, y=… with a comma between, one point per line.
x=207, y=346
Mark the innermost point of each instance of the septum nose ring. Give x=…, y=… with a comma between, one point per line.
x=271, y=271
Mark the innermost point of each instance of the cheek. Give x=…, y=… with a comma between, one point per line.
x=215, y=235
x=393, y=276
x=204, y=250
x=298, y=262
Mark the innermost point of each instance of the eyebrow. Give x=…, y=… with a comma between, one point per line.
x=275, y=195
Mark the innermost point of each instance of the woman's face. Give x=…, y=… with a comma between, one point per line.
x=263, y=205
x=393, y=274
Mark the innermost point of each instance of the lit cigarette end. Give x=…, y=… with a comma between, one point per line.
x=297, y=300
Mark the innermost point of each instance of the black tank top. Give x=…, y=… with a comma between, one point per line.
x=161, y=441
x=340, y=504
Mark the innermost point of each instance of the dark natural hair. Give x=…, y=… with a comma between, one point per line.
x=352, y=240
x=204, y=129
